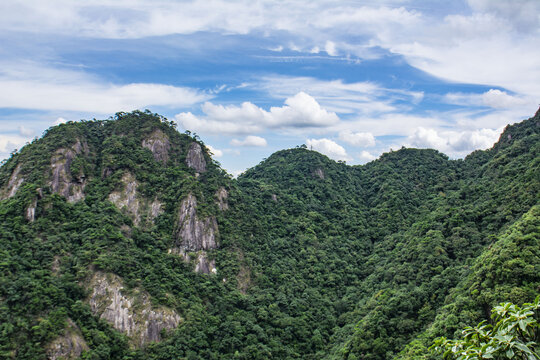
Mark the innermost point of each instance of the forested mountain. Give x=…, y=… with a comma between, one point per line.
x=123, y=239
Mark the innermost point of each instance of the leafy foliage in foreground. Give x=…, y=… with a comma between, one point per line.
x=515, y=334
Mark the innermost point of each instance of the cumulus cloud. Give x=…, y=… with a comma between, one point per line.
x=328, y=148
x=330, y=48
x=216, y=152
x=454, y=143
x=361, y=139
x=250, y=140
x=366, y=156
x=300, y=110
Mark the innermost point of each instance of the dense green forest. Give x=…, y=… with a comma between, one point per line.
x=123, y=239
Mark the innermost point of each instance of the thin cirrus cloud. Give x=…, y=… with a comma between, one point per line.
x=250, y=141
x=337, y=95
x=299, y=111
x=35, y=86
x=493, y=98
x=478, y=41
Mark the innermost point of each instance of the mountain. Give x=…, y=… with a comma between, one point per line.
x=123, y=239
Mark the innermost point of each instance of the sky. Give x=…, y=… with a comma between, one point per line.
x=350, y=79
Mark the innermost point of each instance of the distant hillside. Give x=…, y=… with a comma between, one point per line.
x=123, y=239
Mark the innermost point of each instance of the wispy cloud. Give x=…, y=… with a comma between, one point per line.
x=35, y=86
x=250, y=141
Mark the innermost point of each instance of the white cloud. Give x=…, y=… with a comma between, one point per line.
x=60, y=120
x=491, y=42
x=300, y=110
x=454, y=143
x=361, y=139
x=216, y=152
x=493, y=98
x=8, y=142
x=330, y=48
x=250, y=140
x=328, y=148
x=24, y=131
x=366, y=156
x=335, y=95
x=33, y=86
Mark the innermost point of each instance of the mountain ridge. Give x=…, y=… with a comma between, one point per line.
x=300, y=257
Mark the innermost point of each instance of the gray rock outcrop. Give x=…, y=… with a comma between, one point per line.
x=130, y=313
x=319, y=173
x=127, y=197
x=70, y=345
x=158, y=143
x=138, y=208
x=194, y=234
x=62, y=181
x=222, y=196
x=14, y=183
x=195, y=158
x=31, y=211
x=204, y=265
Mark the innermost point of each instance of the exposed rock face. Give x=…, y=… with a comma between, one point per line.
x=195, y=235
x=222, y=196
x=31, y=211
x=68, y=346
x=274, y=197
x=139, y=209
x=244, y=275
x=195, y=158
x=156, y=209
x=127, y=197
x=159, y=145
x=62, y=181
x=130, y=313
x=204, y=265
x=14, y=183
x=319, y=173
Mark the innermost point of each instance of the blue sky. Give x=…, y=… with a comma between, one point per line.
x=351, y=79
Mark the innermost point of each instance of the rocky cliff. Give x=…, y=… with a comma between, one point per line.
x=63, y=182
x=129, y=311
x=68, y=346
x=158, y=143
x=195, y=235
x=195, y=158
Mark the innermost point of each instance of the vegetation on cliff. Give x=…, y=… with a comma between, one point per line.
x=300, y=257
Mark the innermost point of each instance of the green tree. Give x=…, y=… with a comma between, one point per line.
x=514, y=335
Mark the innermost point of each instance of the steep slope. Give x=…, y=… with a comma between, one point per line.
x=123, y=239
x=90, y=214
